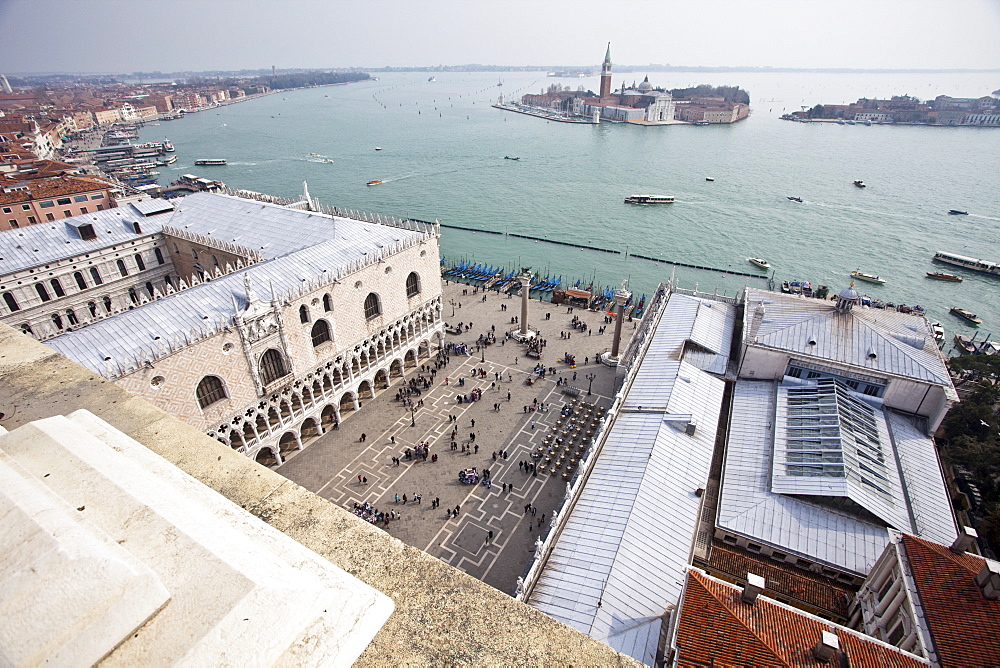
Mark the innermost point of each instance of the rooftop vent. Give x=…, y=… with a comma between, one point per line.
x=965, y=540
x=690, y=428
x=827, y=648
x=872, y=354
x=988, y=579
x=755, y=585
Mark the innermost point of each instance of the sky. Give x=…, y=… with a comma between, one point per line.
x=123, y=36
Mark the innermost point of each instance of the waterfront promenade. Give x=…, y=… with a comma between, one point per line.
x=331, y=464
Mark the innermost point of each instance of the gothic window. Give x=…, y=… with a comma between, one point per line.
x=303, y=314
x=272, y=367
x=412, y=284
x=327, y=302
x=167, y=280
x=92, y=307
x=139, y=263
x=133, y=296
x=26, y=328
x=210, y=390
x=194, y=254
x=149, y=289
x=215, y=261
x=57, y=287
x=57, y=321
x=121, y=268
x=80, y=281
x=373, y=307
x=42, y=292
x=320, y=333
x=159, y=255
x=11, y=302
x=96, y=275
x=71, y=317
x=107, y=304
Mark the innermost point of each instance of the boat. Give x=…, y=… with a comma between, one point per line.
x=210, y=161
x=965, y=344
x=795, y=199
x=314, y=155
x=373, y=183
x=378, y=148
x=648, y=199
x=168, y=161
x=432, y=78
x=972, y=263
x=760, y=262
x=871, y=278
x=956, y=212
x=860, y=184
x=508, y=157
x=938, y=331
x=709, y=178
x=944, y=276
x=168, y=147
x=966, y=315
x=868, y=122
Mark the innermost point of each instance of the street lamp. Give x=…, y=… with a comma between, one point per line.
x=590, y=377
x=413, y=412
x=483, y=350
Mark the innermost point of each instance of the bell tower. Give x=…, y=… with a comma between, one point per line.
x=606, y=74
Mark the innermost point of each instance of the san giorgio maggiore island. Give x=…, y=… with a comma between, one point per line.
x=639, y=105
x=754, y=479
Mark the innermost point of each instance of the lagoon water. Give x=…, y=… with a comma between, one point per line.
x=443, y=158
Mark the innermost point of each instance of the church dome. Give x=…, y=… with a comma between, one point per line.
x=849, y=294
x=645, y=85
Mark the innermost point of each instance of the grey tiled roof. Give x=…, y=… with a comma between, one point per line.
x=39, y=244
x=872, y=340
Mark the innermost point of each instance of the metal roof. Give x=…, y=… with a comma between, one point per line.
x=873, y=340
x=638, y=512
x=810, y=527
x=34, y=245
x=275, y=230
x=151, y=207
x=131, y=337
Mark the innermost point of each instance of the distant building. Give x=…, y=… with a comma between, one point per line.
x=44, y=200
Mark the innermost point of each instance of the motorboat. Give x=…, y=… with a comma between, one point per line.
x=944, y=276
x=871, y=278
x=860, y=184
x=938, y=331
x=956, y=212
x=509, y=157
x=795, y=199
x=966, y=315
x=648, y=199
x=210, y=161
x=760, y=262
x=378, y=148
x=966, y=344
x=709, y=178
x=373, y=183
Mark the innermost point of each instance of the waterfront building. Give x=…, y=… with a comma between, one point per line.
x=261, y=325
x=792, y=461
x=28, y=202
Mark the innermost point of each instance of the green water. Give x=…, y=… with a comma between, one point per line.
x=442, y=158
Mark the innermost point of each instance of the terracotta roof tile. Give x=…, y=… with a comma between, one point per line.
x=43, y=188
x=814, y=590
x=717, y=629
x=964, y=625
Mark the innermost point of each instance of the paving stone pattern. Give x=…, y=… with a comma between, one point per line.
x=330, y=464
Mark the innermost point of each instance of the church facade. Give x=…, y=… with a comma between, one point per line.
x=264, y=326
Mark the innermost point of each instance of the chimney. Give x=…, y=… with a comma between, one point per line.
x=965, y=540
x=755, y=585
x=988, y=579
x=827, y=648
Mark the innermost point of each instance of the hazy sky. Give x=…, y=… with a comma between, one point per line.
x=168, y=35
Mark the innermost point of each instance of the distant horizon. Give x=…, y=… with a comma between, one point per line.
x=594, y=69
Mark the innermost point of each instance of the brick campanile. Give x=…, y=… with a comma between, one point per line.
x=606, y=74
